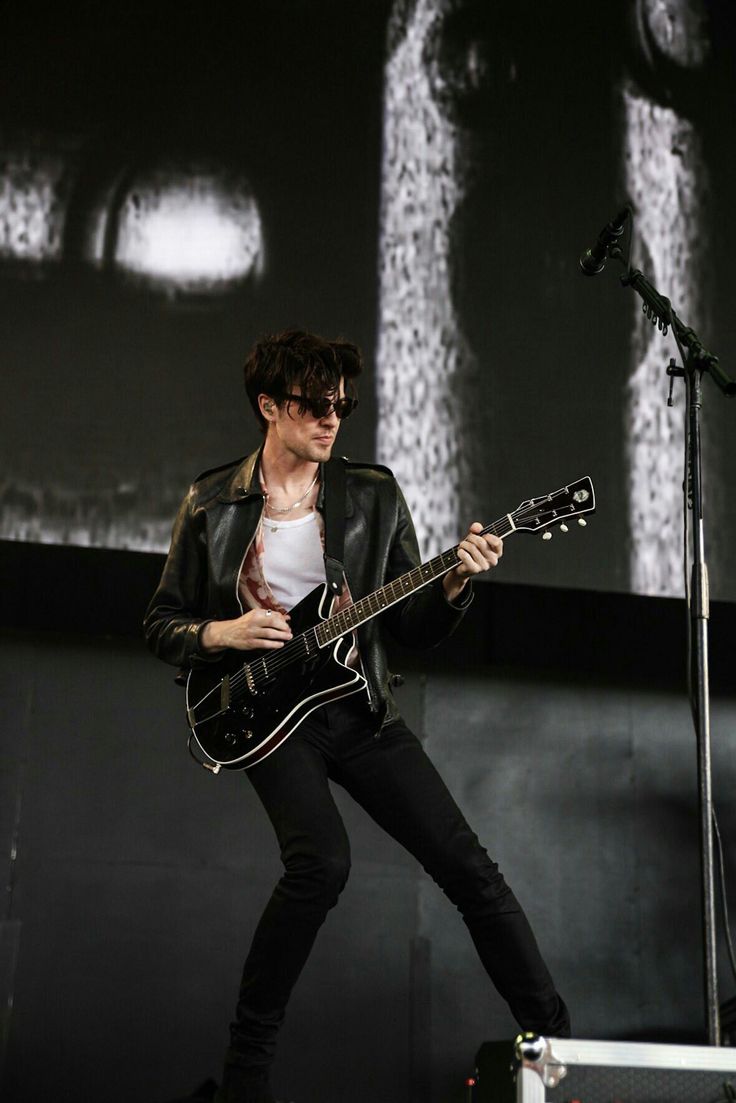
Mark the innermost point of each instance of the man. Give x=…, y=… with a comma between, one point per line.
x=246, y=547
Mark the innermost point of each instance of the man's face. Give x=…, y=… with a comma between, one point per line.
x=305, y=436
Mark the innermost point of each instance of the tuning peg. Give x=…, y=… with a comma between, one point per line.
x=546, y=535
x=564, y=528
x=582, y=522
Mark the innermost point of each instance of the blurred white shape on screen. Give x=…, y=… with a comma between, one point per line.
x=678, y=29
x=194, y=233
x=31, y=205
x=666, y=177
x=423, y=360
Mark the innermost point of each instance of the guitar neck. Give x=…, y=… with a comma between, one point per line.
x=368, y=607
x=532, y=515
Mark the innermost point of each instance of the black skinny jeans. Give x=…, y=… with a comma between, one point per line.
x=395, y=782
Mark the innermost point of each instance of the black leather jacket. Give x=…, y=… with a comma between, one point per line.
x=214, y=528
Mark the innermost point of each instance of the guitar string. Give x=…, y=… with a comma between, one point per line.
x=291, y=652
x=439, y=565
x=298, y=648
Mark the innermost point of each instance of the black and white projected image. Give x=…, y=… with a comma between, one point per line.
x=171, y=187
x=420, y=176
x=512, y=135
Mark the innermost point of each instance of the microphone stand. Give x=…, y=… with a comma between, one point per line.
x=696, y=362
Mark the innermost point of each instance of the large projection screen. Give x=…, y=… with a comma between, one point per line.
x=419, y=176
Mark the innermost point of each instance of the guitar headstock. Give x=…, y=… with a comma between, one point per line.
x=569, y=501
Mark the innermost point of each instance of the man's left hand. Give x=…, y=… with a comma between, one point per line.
x=476, y=554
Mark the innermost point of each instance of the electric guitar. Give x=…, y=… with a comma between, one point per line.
x=243, y=707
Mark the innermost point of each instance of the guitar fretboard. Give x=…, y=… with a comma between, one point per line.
x=536, y=513
x=360, y=611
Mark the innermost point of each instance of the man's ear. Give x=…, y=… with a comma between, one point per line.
x=266, y=404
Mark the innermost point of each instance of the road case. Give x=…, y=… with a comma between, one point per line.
x=563, y=1070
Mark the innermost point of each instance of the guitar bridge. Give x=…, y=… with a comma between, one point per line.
x=225, y=693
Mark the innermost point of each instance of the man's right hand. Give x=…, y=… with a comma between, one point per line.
x=259, y=629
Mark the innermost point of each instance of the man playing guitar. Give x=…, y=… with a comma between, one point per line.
x=251, y=541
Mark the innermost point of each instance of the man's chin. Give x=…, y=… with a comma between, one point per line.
x=322, y=452
x=314, y=452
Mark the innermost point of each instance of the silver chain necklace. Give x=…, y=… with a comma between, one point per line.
x=298, y=502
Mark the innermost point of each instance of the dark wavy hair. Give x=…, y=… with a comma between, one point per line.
x=278, y=361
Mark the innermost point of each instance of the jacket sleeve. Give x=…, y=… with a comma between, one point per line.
x=427, y=617
x=174, y=618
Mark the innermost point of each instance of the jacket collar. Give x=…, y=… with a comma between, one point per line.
x=244, y=483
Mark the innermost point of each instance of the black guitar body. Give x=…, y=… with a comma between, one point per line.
x=243, y=707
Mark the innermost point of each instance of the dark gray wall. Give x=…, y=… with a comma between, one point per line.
x=138, y=878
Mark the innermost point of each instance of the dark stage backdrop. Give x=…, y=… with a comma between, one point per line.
x=134, y=879
x=418, y=175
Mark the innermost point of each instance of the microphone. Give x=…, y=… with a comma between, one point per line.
x=593, y=260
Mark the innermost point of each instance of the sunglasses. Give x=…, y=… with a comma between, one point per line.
x=323, y=407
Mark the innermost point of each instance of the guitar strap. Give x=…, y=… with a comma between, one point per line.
x=334, y=476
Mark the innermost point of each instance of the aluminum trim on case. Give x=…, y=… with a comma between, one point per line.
x=642, y=1055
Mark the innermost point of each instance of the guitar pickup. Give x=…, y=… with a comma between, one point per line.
x=225, y=693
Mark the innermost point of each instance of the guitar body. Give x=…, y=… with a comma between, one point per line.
x=237, y=720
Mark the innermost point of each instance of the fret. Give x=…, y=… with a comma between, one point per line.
x=359, y=612
x=530, y=516
x=355, y=614
x=339, y=624
x=370, y=606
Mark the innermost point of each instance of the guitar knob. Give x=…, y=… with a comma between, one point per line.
x=582, y=522
x=230, y=737
x=547, y=536
x=563, y=528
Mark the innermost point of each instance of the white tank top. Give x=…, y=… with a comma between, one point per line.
x=293, y=561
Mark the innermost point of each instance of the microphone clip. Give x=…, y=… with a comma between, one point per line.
x=593, y=260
